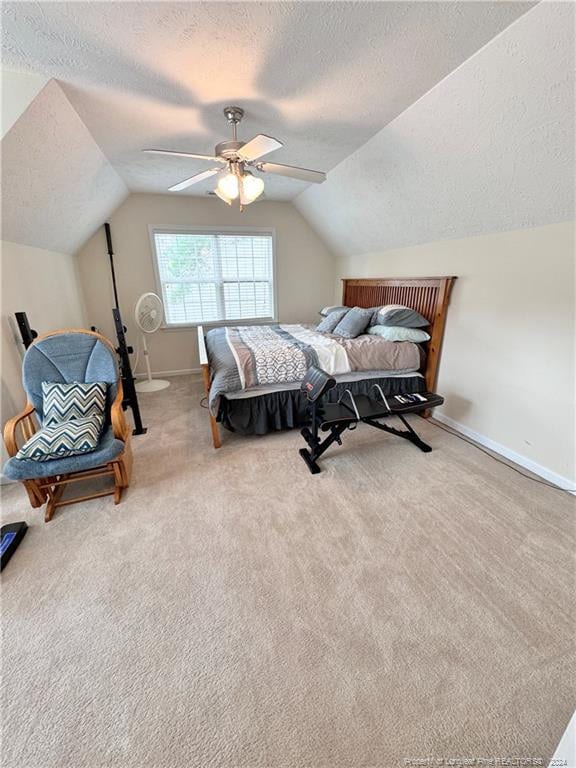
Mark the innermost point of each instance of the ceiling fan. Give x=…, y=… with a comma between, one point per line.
x=234, y=158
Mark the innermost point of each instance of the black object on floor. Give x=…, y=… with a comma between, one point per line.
x=350, y=410
x=10, y=537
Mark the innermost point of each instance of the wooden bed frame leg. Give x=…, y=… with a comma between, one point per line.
x=213, y=423
x=215, y=432
x=205, y=367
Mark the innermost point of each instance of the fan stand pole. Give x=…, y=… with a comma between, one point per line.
x=146, y=357
x=150, y=385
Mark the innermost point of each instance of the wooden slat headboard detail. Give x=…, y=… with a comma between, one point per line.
x=427, y=295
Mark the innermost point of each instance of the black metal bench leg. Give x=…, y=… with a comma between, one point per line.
x=311, y=456
x=414, y=437
x=311, y=463
x=407, y=434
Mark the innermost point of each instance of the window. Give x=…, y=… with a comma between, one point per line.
x=213, y=276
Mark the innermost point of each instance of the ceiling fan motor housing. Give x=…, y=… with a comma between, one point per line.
x=228, y=149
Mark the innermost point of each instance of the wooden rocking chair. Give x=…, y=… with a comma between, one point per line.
x=70, y=356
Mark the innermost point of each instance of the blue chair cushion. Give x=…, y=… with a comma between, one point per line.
x=29, y=469
x=65, y=358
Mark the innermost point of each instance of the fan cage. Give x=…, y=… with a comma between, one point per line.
x=146, y=306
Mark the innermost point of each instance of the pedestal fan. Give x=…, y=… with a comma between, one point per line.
x=148, y=313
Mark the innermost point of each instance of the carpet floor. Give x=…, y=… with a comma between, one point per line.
x=237, y=612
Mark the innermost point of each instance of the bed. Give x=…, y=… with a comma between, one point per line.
x=246, y=404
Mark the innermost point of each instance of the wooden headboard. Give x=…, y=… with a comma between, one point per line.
x=427, y=295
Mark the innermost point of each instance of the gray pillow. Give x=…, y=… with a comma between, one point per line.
x=396, y=314
x=325, y=311
x=331, y=320
x=354, y=322
x=399, y=333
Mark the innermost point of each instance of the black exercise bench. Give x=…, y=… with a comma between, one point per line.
x=351, y=410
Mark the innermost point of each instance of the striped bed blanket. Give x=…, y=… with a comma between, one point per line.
x=245, y=357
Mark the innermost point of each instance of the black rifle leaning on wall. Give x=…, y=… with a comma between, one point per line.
x=123, y=350
x=28, y=334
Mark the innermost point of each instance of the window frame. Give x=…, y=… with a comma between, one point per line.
x=197, y=230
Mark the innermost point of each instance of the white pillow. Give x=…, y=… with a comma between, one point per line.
x=399, y=333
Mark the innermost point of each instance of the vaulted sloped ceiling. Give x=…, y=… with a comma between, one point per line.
x=58, y=186
x=323, y=77
x=345, y=85
x=491, y=148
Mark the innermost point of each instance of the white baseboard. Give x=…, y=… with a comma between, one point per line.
x=517, y=458
x=180, y=372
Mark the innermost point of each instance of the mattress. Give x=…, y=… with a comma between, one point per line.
x=247, y=361
x=344, y=378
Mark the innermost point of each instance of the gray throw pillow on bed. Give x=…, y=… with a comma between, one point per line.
x=331, y=320
x=396, y=314
x=325, y=311
x=354, y=322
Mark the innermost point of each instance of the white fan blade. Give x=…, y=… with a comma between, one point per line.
x=194, y=179
x=304, y=174
x=258, y=147
x=194, y=155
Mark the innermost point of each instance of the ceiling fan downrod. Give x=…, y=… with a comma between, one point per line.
x=229, y=149
x=233, y=115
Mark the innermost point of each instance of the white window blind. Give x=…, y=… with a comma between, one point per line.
x=206, y=277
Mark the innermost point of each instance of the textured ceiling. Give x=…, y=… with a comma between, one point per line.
x=321, y=77
x=490, y=149
x=57, y=185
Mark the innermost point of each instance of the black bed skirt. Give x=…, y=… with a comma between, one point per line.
x=287, y=409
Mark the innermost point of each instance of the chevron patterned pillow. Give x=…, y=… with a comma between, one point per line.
x=66, y=439
x=77, y=400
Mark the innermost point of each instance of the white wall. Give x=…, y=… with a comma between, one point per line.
x=45, y=285
x=304, y=266
x=507, y=369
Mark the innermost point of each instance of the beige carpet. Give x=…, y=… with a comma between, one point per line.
x=236, y=612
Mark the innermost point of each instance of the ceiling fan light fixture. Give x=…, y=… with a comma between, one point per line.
x=252, y=188
x=235, y=182
x=228, y=186
x=222, y=197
